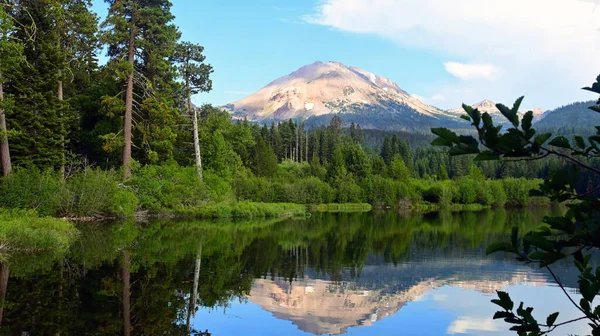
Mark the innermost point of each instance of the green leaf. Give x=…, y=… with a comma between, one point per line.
x=551, y=319
x=587, y=290
x=442, y=142
x=580, y=142
x=500, y=247
x=527, y=120
x=561, y=142
x=595, y=108
x=487, y=156
x=465, y=117
x=550, y=258
x=509, y=114
x=505, y=301
x=517, y=105
x=542, y=138
x=502, y=314
x=446, y=134
x=540, y=241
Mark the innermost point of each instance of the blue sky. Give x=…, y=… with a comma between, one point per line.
x=446, y=52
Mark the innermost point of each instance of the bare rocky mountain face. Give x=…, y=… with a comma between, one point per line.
x=318, y=91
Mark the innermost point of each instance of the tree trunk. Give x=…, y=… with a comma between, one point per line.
x=62, y=125
x=306, y=147
x=129, y=103
x=192, y=306
x=3, y=288
x=126, y=300
x=4, y=149
x=194, y=114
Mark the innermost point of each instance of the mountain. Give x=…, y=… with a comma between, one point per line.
x=318, y=91
x=489, y=106
x=572, y=118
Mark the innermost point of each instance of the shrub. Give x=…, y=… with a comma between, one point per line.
x=170, y=187
x=90, y=193
x=467, y=190
x=497, y=190
x=31, y=189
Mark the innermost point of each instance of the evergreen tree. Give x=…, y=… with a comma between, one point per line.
x=141, y=44
x=265, y=161
x=37, y=118
x=75, y=28
x=442, y=173
x=387, y=150
x=398, y=169
x=10, y=59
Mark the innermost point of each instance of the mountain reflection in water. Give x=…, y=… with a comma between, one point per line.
x=370, y=273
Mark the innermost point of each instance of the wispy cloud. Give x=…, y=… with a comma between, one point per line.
x=471, y=71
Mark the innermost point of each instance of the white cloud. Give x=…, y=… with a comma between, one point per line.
x=471, y=71
x=466, y=323
x=438, y=97
x=546, y=49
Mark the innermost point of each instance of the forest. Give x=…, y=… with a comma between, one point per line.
x=80, y=137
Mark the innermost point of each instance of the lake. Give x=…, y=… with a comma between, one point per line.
x=379, y=273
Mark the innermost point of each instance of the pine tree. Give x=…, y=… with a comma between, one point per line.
x=387, y=150
x=75, y=28
x=36, y=118
x=141, y=43
x=10, y=58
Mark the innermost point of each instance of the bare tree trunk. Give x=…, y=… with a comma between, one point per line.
x=129, y=103
x=4, y=148
x=126, y=300
x=194, y=114
x=306, y=148
x=62, y=124
x=192, y=306
x=4, y=272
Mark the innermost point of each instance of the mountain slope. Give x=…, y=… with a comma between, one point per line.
x=572, y=118
x=320, y=90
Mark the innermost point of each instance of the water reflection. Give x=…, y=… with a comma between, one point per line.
x=328, y=274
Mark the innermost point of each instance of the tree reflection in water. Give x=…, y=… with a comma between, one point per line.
x=150, y=278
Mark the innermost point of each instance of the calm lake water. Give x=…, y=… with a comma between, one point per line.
x=354, y=274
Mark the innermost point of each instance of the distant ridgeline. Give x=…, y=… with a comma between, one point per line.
x=571, y=119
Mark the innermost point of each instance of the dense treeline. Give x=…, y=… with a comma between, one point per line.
x=86, y=138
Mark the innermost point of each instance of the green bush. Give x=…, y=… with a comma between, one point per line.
x=517, y=191
x=467, y=189
x=497, y=190
x=164, y=188
x=31, y=189
x=89, y=194
x=349, y=192
x=383, y=192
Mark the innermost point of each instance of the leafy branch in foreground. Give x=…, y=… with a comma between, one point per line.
x=575, y=234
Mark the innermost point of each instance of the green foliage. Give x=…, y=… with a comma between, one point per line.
x=398, y=169
x=572, y=234
x=167, y=188
x=29, y=243
x=31, y=189
x=90, y=193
